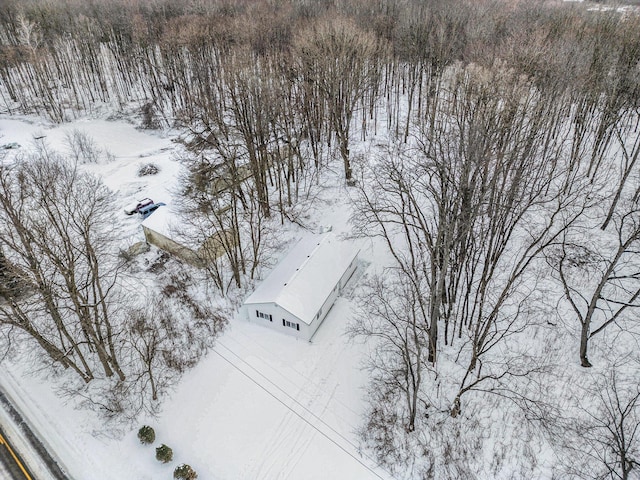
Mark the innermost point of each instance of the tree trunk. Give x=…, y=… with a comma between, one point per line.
x=584, y=344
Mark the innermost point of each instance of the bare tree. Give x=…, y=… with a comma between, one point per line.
x=343, y=61
x=601, y=282
x=393, y=316
x=57, y=239
x=628, y=140
x=166, y=335
x=602, y=440
x=82, y=147
x=470, y=209
x=226, y=220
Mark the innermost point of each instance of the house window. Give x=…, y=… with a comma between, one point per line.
x=294, y=325
x=266, y=316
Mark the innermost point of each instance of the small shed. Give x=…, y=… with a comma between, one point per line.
x=299, y=292
x=167, y=232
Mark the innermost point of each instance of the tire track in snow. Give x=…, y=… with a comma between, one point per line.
x=312, y=395
x=294, y=460
x=289, y=429
x=308, y=381
x=316, y=406
x=293, y=435
x=292, y=440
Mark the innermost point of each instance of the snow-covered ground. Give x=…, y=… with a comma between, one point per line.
x=260, y=406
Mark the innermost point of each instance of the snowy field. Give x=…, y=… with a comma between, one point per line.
x=260, y=406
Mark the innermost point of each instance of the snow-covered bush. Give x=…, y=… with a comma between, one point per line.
x=148, y=169
x=146, y=435
x=184, y=472
x=164, y=454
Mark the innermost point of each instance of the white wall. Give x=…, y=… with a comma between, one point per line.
x=278, y=314
x=347, y=274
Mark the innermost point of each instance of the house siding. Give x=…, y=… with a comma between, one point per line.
x=348, y=273
x=171, y=246
x=278, y=314
x=211, y=249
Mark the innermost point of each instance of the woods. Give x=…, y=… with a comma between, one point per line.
x=491, y=147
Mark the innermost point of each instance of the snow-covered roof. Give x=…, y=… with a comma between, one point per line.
x=167, y=223
x=162, y=221
x=303, y=280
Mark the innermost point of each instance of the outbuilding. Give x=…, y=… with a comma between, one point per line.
x=167, y=232
x=299, y=292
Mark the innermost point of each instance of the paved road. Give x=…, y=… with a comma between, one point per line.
x=9, y=458
x=12, y=466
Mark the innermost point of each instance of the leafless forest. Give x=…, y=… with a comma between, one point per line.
x=506, y=190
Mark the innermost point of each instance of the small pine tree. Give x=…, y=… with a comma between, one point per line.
x=146, y=435
x=184, y=472
x=164, y=454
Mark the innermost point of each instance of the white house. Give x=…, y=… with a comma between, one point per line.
x=302, y=288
